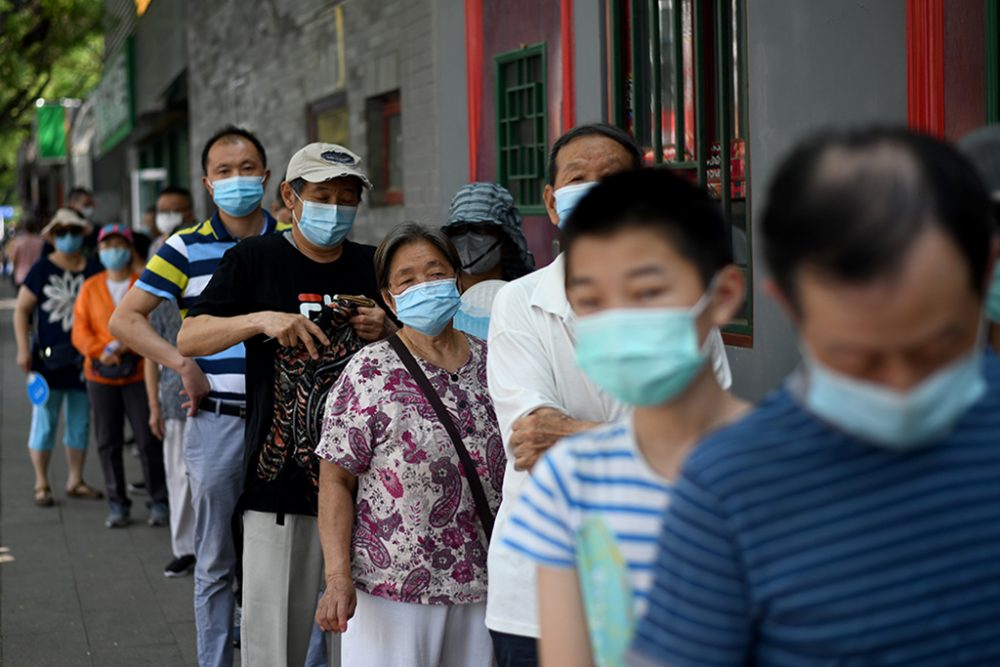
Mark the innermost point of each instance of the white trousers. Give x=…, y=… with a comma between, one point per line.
x=384, y=633
x=178, y=489
x=282, y=574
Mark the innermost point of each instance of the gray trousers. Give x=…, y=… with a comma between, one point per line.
x=282, y=574
x=110, y=406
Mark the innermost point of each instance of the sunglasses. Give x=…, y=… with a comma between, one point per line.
x=67, y=231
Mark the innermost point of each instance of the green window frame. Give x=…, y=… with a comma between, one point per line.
x=679, y=85
x=521, y=101
x=992, y=61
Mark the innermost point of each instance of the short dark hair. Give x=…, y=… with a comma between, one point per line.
x=232, y=131
x=589, y=130
x=658, y=200
x=851, y=203
x=78, y=192
x=405, y=234
x=180, y=192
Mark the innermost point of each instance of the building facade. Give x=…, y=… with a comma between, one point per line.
x=435, y=93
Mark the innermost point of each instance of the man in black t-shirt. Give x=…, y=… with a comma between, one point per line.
x=279, y=296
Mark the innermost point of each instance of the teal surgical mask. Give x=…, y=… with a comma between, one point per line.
x=568, y=196
x=428, y=307
x=993, y=297
x=238, y=196
x=325, y=225
x=892, y=419
x=115, y=258
x=641, y=356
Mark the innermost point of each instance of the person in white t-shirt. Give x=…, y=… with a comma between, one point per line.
x=484, y=225
x=539, y=394
x=650, y=276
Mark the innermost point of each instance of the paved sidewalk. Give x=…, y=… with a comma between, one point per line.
x=73, y=592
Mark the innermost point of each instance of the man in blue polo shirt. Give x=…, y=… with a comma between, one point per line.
x=854, y=517
x=235, y=167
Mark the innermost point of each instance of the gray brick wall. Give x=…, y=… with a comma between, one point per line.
x=260, y=63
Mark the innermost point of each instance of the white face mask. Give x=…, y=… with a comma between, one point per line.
x=167, y=222
x=87, y=212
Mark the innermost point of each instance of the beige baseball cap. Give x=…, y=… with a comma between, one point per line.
x=321, y=162
x=66, y=217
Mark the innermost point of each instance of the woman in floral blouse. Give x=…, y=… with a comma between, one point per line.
x=414, y=575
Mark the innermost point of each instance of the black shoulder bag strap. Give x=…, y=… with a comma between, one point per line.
x=471, y=475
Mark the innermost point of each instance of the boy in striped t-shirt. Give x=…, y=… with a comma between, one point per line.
x=854, y=517
x=235, y=166
x=649, y=274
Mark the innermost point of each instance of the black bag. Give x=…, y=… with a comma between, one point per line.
x=59, y=357
x=122, y=369
x=471, y=474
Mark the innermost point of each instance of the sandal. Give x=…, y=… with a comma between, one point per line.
x=43, y=497
x=81, y=490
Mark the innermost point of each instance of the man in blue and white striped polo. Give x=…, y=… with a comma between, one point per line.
x=854, y=517
x=235, y=167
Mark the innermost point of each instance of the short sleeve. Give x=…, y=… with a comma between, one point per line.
x=540, y=525
x=349, y=423
x=698, y=611
x=166, y=273
x=225, y=294
x=34, y=281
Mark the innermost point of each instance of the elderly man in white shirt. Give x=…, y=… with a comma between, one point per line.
x=539, y=394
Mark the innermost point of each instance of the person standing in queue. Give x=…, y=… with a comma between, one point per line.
x=115, y=381
x=279, y=296
x=48, y=295
x=174, y=211
x=853, y=518
x=235, y=174
x=411, y=475
x=650, y=274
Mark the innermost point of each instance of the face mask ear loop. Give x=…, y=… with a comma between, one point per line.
x=699, y=308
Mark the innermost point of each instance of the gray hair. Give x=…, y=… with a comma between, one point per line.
x=403, y=235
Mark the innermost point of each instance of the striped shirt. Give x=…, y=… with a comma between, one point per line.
x=595, y=505
x=790, y=543
x=180, y=270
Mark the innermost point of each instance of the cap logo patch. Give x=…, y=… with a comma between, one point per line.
x=338, y=157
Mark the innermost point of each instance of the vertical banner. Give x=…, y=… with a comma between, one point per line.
x=50, y=131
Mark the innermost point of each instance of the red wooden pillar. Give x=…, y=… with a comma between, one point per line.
x=474, y=78
x=925, y=65
x=568, y=117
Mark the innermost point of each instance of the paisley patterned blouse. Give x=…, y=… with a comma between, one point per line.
x=417, y=537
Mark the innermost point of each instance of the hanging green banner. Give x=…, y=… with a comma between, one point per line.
x=50, y=128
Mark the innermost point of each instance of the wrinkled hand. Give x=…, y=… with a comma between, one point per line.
x=534, y=433
x=196, y=386
x=291, y=329
x=371, y=324
x=337, y=605
x=156, y=419
x=24, y=360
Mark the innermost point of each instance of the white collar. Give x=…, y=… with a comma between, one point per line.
x=550, y=291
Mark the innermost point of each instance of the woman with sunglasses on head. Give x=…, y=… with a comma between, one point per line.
x=43, y=321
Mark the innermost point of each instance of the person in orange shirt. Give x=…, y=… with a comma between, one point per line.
x=115, y=383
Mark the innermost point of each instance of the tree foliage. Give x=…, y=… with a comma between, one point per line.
x=50, y=49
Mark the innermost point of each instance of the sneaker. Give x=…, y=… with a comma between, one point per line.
x=118, y=518
x=138, y=487
x=179, y=567
x=159, y=514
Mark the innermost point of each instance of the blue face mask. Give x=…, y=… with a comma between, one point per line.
x=115, y=258
x=641, y=356
x=238, y=196
x=993, y=297
x=428, y=307
x=568, y=196
x=69, y=243
x=326, y=225
x=892, y=419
